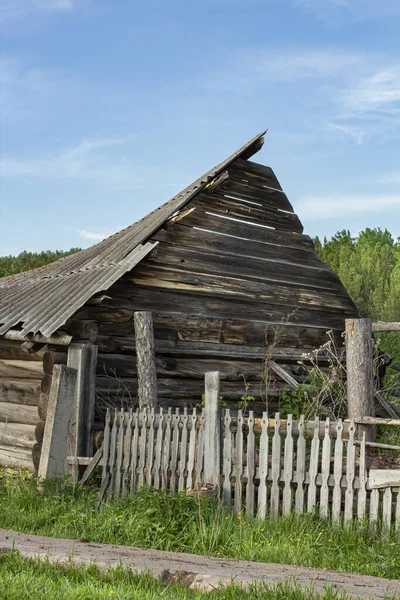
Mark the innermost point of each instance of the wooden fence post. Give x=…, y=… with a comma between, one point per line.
x=360, y=373
x=83, y=358
x=212, y=429
x=59, y=416
x=145, y=359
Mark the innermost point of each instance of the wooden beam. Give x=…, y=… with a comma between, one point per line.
x=212, y=426
x=381, y=326
x=145, y=359
x=83, y=358
x=283, y=375
x=360, y=373
x=58, y=339
x=59, y=417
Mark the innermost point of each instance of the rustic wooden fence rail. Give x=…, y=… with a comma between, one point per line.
x=267, y=466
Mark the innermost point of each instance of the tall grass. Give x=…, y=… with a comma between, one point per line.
x=153, y=519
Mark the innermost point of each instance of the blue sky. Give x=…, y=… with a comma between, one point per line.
x=110, y=107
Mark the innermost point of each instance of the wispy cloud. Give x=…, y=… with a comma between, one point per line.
x=15, y=9
x=354, y=133
x=89, y=235
x=316, y=208
x=354, y=9
x=378, y=91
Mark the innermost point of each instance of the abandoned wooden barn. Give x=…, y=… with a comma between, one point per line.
x=228, y=275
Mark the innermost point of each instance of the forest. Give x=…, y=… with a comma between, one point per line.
x=368, y=265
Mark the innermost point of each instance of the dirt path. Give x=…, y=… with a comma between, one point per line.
x=195, y=571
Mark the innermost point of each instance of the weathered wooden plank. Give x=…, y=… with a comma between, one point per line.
x=159, y=446
x=397, y=516
x=145, y=359
x=362, y=491
x=350, y=474
x=387, y=509
x=135, y=453
x=142, y=446
x=263, y=468
x=106, y=456
x=113, y=452
x=174, y=450
x=325, y=472
x=120, y=453
x=166, y=450
x=300, y=467
x=288, y=468
x=150, y=448
x=183, y=450
x=313, y=471
x=373, y=509
x=381, y=478
x=337, y=473
x=200, y=453
x=239, y=463
x=251, y=170
x=275, y=468
x=192, y=449
x=227, y=459
x=251, y=460
x=127, y=454
x=212, y=433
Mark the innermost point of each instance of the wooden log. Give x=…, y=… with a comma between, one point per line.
x=45, y=384
x=360, y=372
x=53, y=358
x=12, y=351
x=39, y=431
x=377, y=421
x=31, y=347
x=36, y=454
x=59, y=339
x=19, y=430
x=7, y=439
x=15, y=457
x=20, y=369
x=20, y=391
x=59, y=418
x=83, y=358
x=16, y=413
x=83, y=330
x=145, y=358
x=381, y=326
x=42, y=406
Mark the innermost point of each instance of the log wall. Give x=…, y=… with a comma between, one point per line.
x=232, y=279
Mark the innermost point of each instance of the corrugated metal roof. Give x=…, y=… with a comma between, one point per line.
x=43, y=299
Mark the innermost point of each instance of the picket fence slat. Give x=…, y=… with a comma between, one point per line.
x=239, y=463
x=300, y=467
x=251, y=464
x=276, y=469
x=263, y=468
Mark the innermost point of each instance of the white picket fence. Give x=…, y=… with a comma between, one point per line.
x=267, y=466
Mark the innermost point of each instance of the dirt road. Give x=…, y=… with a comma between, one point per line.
x=195, y=571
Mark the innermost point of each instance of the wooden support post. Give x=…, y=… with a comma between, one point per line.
x=360, y=373
x=212, y=429
x=59, y=416
x=145, y=359
x=83, y=358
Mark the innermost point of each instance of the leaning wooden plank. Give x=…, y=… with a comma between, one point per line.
x=183, y=451
x=275, y=468
x=120, y=453
x=362, y=491
x=174, y=450
x=250, y=466
x=283, y=374
x=314, y=459
x=288, y=469
x=387, y=509
x=337, y=474
x=325, y=472
x=106, y=453
x=350, y=474
x=92, y=465
x=16, y=413
x=387, y=408
x=263, y=468
x=159, y=445
x=58, y=422
x=239, y=463
x=227, y=460
x=300, y=467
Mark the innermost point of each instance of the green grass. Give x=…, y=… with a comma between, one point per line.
x=31, y=579
x=152, y=519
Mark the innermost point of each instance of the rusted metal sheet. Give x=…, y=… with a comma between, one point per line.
x=43, y=299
